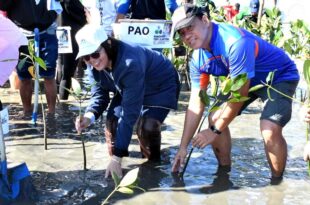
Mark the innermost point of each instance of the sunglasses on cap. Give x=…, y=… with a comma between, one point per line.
x=93, y=55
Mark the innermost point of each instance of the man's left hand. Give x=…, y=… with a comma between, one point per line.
x=203, y=138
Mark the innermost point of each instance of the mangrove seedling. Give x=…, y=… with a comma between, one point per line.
x=230, y=88
x=80, y=97
x=126, y=185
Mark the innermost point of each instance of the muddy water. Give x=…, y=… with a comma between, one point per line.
x=58, y=177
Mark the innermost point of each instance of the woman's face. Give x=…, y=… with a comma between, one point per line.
x=197, y=34
x=98, y=59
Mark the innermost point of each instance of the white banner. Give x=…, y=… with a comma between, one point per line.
x=147, y=33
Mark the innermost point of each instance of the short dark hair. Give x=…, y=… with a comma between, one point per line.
x=111, y=48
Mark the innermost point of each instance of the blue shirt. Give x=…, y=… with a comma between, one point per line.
x=123, y=5
x=236, y=51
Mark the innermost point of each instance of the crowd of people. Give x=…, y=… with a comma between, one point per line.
x=145, y=84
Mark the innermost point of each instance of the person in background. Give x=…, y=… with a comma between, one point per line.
x=73, y=17
x=231, y=11
x=251, y=15
x=155, y=9
x=28, y=15
x=202, y=3
x=254, y=7
x=145, y=86
x=101, y=12
x=225, y=50
x=14, y=80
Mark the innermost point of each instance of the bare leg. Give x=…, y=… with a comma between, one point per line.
x=222, y=144
x=25, y=92
x=149, y=136
x=222, y=148
x=50, y=92
x=275, y=147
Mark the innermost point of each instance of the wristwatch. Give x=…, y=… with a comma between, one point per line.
x=215, y=130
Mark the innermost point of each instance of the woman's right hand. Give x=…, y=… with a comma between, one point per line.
x=81, y=123
x=179, y=160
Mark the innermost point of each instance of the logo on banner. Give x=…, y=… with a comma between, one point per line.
x=162, y=34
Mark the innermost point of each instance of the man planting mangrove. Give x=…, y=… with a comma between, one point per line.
x=224, y=50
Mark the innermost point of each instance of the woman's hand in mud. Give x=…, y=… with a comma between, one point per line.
x=81, y=123
x=115, y=166
x=179, y=160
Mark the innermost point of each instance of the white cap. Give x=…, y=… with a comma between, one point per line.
x=89, y=39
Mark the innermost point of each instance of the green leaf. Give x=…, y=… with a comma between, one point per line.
x=222, y=78
x=129, y=178
x=269, y=95
x=76, y=87
x=226, y=87
x=236, y=94
x=70, y=91
x=256, y=87
x=21, y=63
x=41, y=62
x=116, y=179
x=214, y=108
x=125, y=190
x=269, y=12
x=239, y=81
x=214, y=86
x=270, y=76
x=240, y=99
x=306, y=71
x=204, y=97
x=31, y=48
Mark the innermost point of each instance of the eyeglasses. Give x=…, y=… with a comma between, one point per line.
x=94, y=55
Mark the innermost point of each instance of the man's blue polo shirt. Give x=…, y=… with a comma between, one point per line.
x=236, y=51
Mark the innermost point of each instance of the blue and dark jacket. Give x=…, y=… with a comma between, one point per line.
x=142, y=77
x=235, y=51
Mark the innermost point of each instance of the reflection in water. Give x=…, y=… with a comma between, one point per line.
x=221, y=181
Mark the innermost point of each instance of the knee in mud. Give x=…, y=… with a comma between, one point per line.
x=149, y=133
x=151, y=127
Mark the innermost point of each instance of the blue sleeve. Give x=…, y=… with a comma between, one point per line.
x=99, y=96
x=242, y=58
x=171, y=5
x=123, y=6
x=194, y=74
x=132, y=85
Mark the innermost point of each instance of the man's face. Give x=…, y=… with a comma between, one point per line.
x=195, y=35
